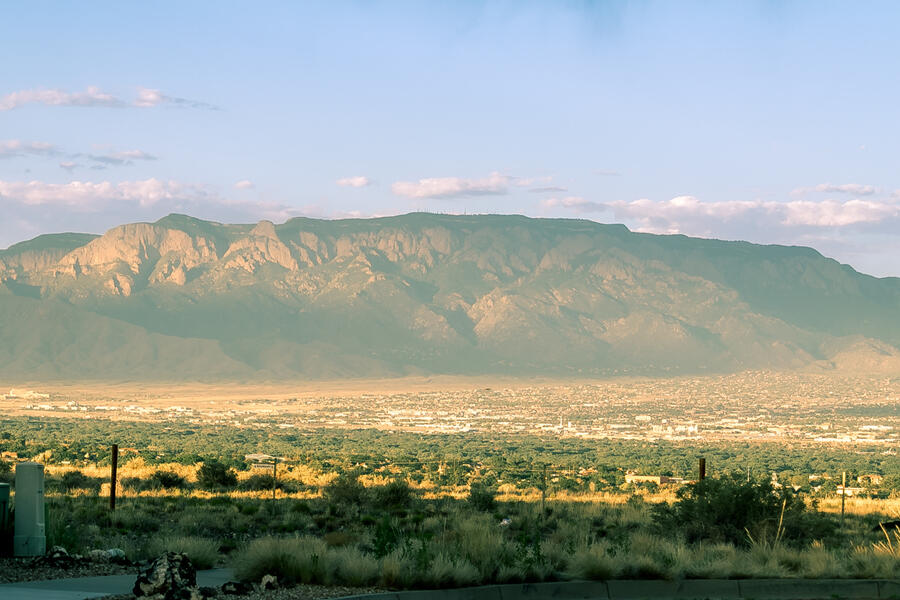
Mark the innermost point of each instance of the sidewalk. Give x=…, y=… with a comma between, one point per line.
x=689, y=589
x=80, y=588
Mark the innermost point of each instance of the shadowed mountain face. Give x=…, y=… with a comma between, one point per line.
x=189, y=299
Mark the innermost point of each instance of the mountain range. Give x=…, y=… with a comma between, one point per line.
x=188, y=299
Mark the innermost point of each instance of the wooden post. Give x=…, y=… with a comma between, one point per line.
x=114, y=466
x=543, y=490
x=274, y=478
x=843, y=495
x=702, y=468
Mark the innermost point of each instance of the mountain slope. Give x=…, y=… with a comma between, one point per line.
x=184, y=298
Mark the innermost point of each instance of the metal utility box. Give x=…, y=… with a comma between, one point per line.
x=4, y=505
x=29, y=538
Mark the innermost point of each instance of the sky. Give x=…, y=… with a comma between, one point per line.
x=772, y=122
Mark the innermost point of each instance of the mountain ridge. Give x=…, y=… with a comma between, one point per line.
x=426, y=293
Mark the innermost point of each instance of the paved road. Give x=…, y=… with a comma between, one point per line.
x=80, y=588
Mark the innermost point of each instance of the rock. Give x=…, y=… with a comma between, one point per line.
x=268, y=582
x=57, y=557
x=170, y=577
x=236, y=588
x=98, y=556
x=117, y=555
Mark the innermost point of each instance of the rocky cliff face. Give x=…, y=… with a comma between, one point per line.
x=428, y=293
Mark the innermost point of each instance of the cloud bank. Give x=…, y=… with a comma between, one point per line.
x=95, y=97
x=738, y=218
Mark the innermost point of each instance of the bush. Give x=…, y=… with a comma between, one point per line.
x=731, y=509
x=482, y=496
x=345, y=489
x=262, y=482
x=396, y=494
x=72, y=480
x=213, y=474
x=168, y=480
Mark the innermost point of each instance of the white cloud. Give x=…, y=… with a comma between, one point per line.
x=575, y=203
x=13, y=148
x=857, y=189
x=244, y=184
x=356, y=182
x=126, y=157
x=69, y=165
x=148, y=98
x=453, y=187
x=93, y=96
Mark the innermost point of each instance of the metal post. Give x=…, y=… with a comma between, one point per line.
x=702, y=469
x=114, y=466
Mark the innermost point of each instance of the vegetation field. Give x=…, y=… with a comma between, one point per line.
x=403, y=510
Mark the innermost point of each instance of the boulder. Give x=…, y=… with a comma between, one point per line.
x=169, y=577
x=58, y=557
x=236, y=588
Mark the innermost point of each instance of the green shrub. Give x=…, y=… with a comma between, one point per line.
x=168, y=480
x=396, y=494
x=72, y=480
x=261, y=482
x=345, y=489
x=734, y=510
x=482, y=496
x=214, y=474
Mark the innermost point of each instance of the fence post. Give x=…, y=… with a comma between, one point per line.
x=843, y=496
x=114, y=466
x=543, y=490
x=702, y=468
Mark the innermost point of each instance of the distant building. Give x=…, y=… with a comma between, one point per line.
x=849, y=491
x=632, y=477
x=870, y=479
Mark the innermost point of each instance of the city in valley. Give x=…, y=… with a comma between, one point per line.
x=751, y=406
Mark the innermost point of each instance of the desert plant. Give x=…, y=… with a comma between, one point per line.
x=345, y=489
x=72, y=480
x=738, y=511
x=396, y=494
x=482, y=496
x=168, y=480
x=214, y=474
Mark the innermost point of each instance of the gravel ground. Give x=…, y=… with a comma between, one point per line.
x=13, y=570
x=298, y=592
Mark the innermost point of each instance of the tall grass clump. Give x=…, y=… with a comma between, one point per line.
x=292, y=560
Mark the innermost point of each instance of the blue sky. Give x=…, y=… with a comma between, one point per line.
x=775, y=122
